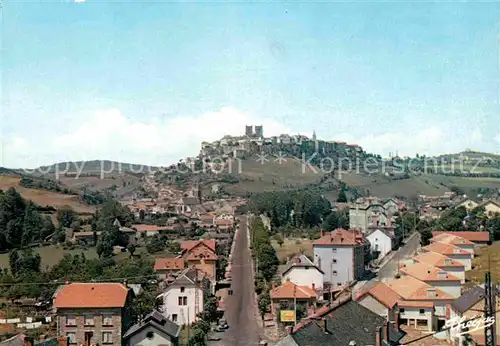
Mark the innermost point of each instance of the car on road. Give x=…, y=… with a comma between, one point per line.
x=223, y=324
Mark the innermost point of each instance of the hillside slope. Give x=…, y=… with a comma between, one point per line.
x=44, y=197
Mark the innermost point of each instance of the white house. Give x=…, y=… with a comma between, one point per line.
x=182, y=301
x=303, y=272
x=381, y=241
x=153, y=330
x=434, y=277
x=442, y=262
x=455, y=240
x=451, y=251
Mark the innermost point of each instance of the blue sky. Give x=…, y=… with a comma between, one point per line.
x=146, y=82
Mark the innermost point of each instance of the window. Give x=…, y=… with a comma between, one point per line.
x=107, y=320
x=174, y=317
x=422, y=311
x=339, y=283
x=70, y=320
x=401, y=310
x=107, y=337
x=334, y=260
x=71, y=338
x=183, y=289
x=334, y=250
x=150, y=335
x=89, y=320
x=183, y=300
x=335, y=272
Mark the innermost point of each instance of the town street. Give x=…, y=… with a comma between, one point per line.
x=405, y=252
x=241, y=310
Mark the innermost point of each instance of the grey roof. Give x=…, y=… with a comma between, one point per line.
x=299, y=261
x=468, y=299
x=190, y=201
x=156, y=321
x=350, y=321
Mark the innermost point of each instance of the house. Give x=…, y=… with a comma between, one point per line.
x=340, y=255
x=146, y=230
x=363, y=216
x=381, y=300
x=468, y=204
x=166, y=267
x=186, y=204
x=433, y=276
x=348, y=323
x=381, y=241
x=89, y=238
x=182, y=300
x=491, y=208
x=301, y=271
x=153, y=330
x=454, y=240
x=451, y=266
x=200, y=254
x=451, y=251
x=288, y=294
x=421, y=303
x=90, y=313
x=469, y=305
x=478, y=238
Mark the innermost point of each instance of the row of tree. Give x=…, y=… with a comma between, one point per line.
x=21, y=223
x=297, y=208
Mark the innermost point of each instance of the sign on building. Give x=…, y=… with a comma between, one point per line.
x=287, y=316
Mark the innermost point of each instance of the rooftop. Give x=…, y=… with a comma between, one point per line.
x=471, y=236
x=169, y=263
x=410, y=288
x=91, y=295
x=447, y=238
x=437, y=260
x=445, y=249
x=289, y=290
x=426, y=272
x=341, y=237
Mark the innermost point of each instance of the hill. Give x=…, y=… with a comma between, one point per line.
x=44, y=197
x=94, y=168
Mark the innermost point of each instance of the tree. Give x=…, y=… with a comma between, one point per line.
x=14, y=262
x=264, y=304
x=279, y=239
x=425, y=236
x=104, y=248
x=342, y=198
x=131, y=249
x=65, y=216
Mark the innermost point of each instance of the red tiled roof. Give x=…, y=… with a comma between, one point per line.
x=91, y=295
x=341, y=237
x=445, y=249
x=169, y=263
x=187, y=245
x=383, y=294
x=470, y=236
x=146, y=228
x=290, y=290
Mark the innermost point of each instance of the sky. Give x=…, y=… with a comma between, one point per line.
x=146, y=82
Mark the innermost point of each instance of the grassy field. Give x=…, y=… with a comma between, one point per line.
x=51, y=255
x=268, y=176
x=486, y=257
x=44, y=197
x=293, y=246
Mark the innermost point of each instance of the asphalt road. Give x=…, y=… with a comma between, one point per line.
x=241, y=310
x=405, y=252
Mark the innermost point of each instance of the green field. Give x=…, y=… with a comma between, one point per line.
x=51, y=255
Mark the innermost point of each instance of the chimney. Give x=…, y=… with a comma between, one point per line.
x=322, y=232
x=314, y=287
x=62, y=341
x=28, y=341
x=378, y=337
x=431, y=292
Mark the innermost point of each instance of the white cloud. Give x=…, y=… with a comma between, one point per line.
x=79, y=1
x=109, y=134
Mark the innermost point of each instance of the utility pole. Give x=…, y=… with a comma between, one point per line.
x=489, y=310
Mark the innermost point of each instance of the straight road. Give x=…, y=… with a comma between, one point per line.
x=405, y=252
x=241, y=310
